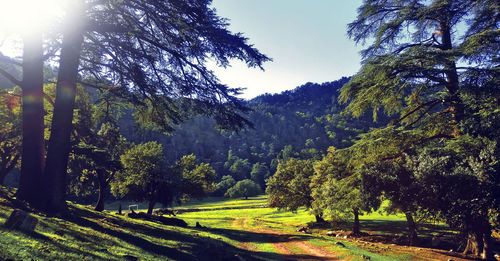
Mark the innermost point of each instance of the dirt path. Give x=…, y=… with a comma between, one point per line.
x=288, y=245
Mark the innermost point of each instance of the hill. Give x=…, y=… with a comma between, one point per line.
x=300, y=123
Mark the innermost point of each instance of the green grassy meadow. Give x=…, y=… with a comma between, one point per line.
x=230, y=228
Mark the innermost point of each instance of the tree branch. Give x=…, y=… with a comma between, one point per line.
x=433, y=102
x=10, y=77
x=9, y=60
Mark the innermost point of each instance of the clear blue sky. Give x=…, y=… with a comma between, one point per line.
x=307, y=40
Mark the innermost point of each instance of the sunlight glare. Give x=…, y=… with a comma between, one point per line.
x=28, y=16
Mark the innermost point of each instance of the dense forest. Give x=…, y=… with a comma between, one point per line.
x=302, y=122
x=129, y=109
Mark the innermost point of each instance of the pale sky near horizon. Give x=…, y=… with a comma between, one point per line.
x=307, y=41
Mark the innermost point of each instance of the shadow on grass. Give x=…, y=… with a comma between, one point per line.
x=254, y=237
x=276, y=256
x=199, y=248
x=49, y=242
x=78, y=217
x=392, y=227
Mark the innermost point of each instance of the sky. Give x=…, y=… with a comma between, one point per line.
x=307, y=40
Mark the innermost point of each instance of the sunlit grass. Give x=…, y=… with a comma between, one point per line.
x=238, y=223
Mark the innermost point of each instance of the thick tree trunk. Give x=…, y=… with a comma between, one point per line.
x=487, y=252
x=478, y=241
x=101, y=180
x=412, y=229
x=355, y=228
x=33, y=148
x=151, y=206
x=474, y=244
x=452, y=80
x=59, y=142
x=320, y=219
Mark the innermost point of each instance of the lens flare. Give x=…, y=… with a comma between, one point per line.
x=28, y=16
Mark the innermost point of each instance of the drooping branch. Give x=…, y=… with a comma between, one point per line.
x=10, y=77
x=429, y=103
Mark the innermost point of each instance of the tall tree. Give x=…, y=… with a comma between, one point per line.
x=289, y=188
x=155, y=52
x=336, y=188
x=424, y=60
x=410, y=66
x=33, y=143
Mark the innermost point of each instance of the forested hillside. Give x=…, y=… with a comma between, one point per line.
x=302, y=122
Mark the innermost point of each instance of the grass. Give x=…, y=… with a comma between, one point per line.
x=230, y=227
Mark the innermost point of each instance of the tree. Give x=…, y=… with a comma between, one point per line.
x=240, y=169
x=225, y=183
x=378, y=158
x=464, y=188
x=424, y=62
x=336, y=188
x=96, y=159
x=157, y=64
x=196, y=179
x=289, y=188
x=244, y=188
x=398, y=184
x=143, y=176
x=414, y=72
x=259, y=174
x=33, y=143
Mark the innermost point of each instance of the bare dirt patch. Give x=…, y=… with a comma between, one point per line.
x=287, y=242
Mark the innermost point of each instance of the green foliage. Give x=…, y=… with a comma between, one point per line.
x=301, y=123
x=244, y=188
x=411, y=64
x=240, y=169
x=95, y=157
x=143, y=175
x=10, y=131
x=259, y=174
x=196, y=179
x=225, y=183
x=289, y=188
x=462, y=180
x=335, y=186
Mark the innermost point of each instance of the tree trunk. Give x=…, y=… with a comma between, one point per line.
x=59, y=142
x=452, y=80
x=33, y=148
x=412, y=229
x=355, y=228
x=478, y=241
x=101, y=180
x=487, y=252
x=474, y=244
x=320, y=219
x=151, y=206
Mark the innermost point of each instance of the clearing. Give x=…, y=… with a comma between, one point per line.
x=231, y=230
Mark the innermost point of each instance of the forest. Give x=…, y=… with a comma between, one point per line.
x=122, y=109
